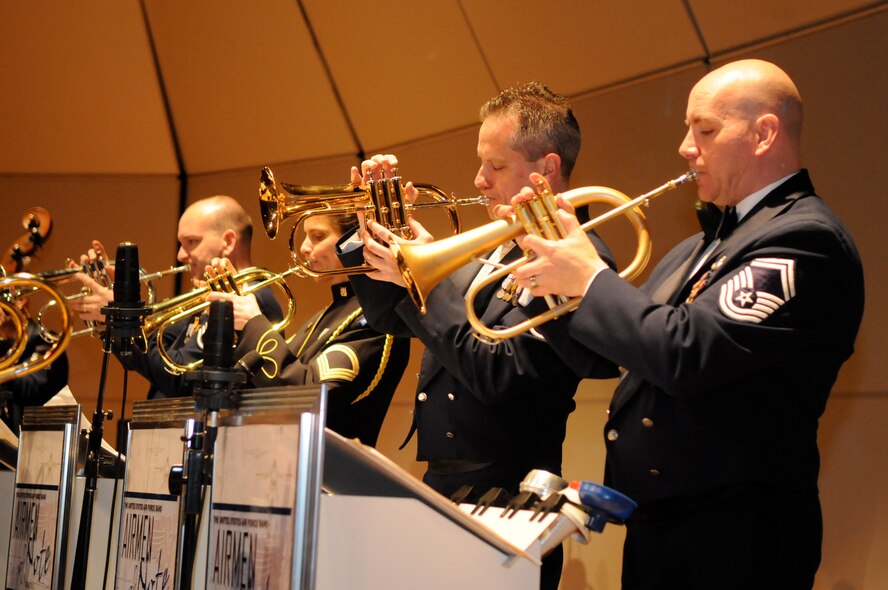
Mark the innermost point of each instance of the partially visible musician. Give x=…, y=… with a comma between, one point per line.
x=35, y=388
x=209, y=228
x=360, y=366
x=731, y=348
x=32, y=389
x=485, y=415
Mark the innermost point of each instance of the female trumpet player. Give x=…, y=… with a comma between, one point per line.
x=361, y=367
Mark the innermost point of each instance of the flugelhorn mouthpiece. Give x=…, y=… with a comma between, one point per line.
x=686, y=177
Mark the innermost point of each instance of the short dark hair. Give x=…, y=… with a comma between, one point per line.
x=546, y=123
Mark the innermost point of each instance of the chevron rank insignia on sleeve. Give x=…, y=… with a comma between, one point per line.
x=758, y=290
x=338, y=362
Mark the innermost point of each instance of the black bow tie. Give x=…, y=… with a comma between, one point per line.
x=716, y=224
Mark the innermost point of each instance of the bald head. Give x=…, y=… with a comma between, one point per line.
x=754, y=88
x=212, y=228
x=224, y=212
x=744, y=130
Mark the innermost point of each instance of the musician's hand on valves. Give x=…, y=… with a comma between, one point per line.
x=244, y=307
x=96, y=262
x=379, y=167
x=89, y=306
x=97, y=291
x=558, y=267
x=378, y=255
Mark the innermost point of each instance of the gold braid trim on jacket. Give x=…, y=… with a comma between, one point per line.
x=383, y=362
x=386, y=352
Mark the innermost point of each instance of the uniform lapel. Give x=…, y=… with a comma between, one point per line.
x=665, y=292
x=772, y=205
x=488, y=307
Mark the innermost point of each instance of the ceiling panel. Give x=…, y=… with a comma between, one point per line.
x=78, y=92
x=245, y=84
x=729, y=25
x=406, y=71
x=574, y=46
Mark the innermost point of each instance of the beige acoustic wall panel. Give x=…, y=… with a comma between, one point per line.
x=577, y=45
x=728, y=26
x=405, y=69
x=78, y=90
x=245, y=84
x=843, y=84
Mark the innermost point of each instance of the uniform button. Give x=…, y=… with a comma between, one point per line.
x=448, y=434
x=417, y=375
x=612, y=434
x=422, y=397
x=655, y=473
x=648, y=423
x=451, y=397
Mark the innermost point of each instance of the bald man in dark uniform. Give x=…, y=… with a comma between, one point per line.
x=731, y=349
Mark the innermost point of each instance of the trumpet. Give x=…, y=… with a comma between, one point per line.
x=98, y=271
x=423, y=266
x=12, y=287
x=382, y=200
x=165, y=313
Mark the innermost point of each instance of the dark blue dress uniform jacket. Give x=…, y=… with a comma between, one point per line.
x=728, y=388
x=504, y=404
x=361, y=367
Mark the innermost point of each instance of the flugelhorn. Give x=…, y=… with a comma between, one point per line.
x=382, y=200
x=13, y=286
x=165, y=313
x=423, y=266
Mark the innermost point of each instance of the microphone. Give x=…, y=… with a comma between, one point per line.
x=218, y=338
x=215, y=387
x=124, y=314
x=217, y=379
x=127, y=286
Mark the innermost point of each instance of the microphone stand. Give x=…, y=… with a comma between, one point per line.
x=124, y=318
x=216, y=384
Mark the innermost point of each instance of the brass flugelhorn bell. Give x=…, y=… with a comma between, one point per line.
x=381, y=200
x=423, y=266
